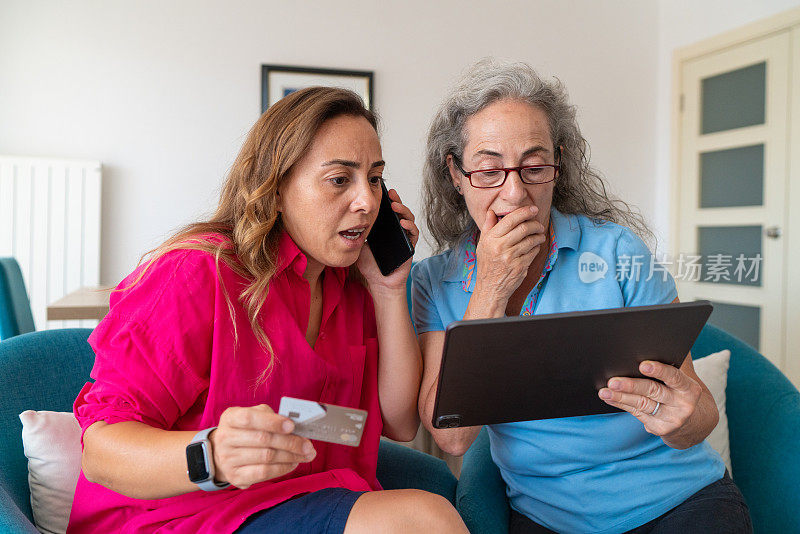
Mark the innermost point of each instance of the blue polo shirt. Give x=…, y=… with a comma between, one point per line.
x=599, y=473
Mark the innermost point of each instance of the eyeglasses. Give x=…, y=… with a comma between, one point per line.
x=529, y=174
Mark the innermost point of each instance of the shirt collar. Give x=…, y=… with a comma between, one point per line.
x=566, y=231
x=453, y=270
x=291, y=257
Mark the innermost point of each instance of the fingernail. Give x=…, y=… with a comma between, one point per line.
x=605, y=394
x=534, y=209
x=287, y=426
x=647, y=368
x=308, y=448
x=615, y=384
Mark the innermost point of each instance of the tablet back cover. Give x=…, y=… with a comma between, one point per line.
x=541, y=367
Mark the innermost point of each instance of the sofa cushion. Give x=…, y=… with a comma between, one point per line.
x=713, y=371
x=51, y=441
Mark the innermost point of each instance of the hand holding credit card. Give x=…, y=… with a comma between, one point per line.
x=324, y=422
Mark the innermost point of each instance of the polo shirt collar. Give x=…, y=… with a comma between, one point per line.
x=566, y=229
x=455, y=264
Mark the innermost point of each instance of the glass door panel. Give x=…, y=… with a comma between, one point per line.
x=730, y=254
x=732, y=177
x=741, y=321
x=734, y=99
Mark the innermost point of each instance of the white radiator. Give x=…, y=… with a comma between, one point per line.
x=50, y=222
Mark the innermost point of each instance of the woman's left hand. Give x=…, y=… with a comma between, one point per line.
x=664, y=408
x=366, y=262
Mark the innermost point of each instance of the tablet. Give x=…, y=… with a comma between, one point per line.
x=547, y=366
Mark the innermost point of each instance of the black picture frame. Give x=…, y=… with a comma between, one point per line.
x=279, y=80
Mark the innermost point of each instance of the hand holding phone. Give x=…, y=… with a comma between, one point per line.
x=388, y=240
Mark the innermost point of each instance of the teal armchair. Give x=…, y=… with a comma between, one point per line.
x=763, y=410
x=46, y=370
x=15, y=308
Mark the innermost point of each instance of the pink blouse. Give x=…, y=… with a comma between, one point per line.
x=166, y=356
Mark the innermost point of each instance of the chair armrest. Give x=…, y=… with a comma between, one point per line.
x=401, y=467
x=766, y=464
x=763, y=410
x=11, y=517
x=481, y=494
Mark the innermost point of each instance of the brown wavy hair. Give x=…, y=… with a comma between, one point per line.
x=247, y=216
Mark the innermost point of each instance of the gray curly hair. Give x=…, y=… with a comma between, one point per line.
x=579, y=189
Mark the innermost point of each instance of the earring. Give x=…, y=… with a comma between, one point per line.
x=458, y=188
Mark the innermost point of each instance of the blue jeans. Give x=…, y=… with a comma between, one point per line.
x=719, y=508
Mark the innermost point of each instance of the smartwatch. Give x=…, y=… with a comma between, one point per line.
x=200, y=462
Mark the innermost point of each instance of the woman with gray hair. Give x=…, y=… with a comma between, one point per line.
x=512, y=204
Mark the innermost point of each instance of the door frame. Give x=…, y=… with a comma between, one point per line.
x=788, y=20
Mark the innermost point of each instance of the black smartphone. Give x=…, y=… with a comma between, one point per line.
x=387, y=239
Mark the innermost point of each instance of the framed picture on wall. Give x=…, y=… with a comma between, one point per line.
x=278, y=81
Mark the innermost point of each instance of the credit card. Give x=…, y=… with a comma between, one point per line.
x=324, y=422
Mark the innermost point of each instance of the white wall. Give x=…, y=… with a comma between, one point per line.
x=163, y=92
x=682, y=23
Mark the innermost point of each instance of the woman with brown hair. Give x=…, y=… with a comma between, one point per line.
x=276, y=295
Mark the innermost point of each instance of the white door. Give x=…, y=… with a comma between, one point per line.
x=733, y=186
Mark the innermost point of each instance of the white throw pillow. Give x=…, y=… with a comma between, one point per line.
x=713, y=371
x=52, y=443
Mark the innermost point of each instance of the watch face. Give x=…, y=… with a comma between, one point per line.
x=196, y=462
